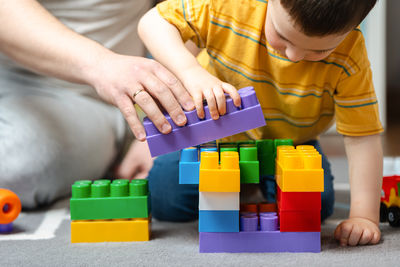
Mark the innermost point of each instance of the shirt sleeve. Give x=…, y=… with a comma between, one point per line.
x=190, y=17
x=356, y=105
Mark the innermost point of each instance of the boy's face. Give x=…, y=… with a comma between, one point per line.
x=287, y=39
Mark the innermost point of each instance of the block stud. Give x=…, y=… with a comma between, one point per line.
x=138, y=187
x=248, y=154
x=229, y=160
x=81, y=189
x=101, y=188
x=209, y=160
x=119, y=188
x=248, y=223
x=189, y=155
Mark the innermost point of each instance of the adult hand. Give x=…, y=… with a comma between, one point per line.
x=125, y=80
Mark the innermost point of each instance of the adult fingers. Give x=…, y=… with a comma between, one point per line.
x=180, y=93
x=162, y=93
x=220, y=99
x=147, y=104
x=125, y=104
x=233, y=93
x=212, y=103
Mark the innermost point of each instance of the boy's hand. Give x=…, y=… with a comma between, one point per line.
x=357, y=231
x=202, y=85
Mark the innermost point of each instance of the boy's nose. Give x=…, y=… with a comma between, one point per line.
x=294, y=54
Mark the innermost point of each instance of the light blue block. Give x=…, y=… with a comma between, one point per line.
x=189, y=164
x=189, y=172
x=218, y=221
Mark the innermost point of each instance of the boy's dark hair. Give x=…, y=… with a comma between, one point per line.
x=325, y=17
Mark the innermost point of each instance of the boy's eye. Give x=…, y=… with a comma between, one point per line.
x=322, y=51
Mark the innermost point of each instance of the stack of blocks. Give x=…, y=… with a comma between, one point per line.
x=223, y=227
x=105, y=211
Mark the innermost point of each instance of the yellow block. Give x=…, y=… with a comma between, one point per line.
x=299, y=170
x=224, y=177
x=110, y=230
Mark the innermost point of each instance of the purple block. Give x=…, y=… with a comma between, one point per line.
x=6, y=228
x=248, y=223
x=197, y=131
x=260, y=241
x=268, y=223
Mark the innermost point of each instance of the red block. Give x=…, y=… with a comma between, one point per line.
x=300, y=221
x=296, y=201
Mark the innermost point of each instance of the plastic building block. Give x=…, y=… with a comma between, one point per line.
x=299, y=170
x=218, y=220
x=249, y=207
x=249, y=165
x=219, y=201
x=260, y=237
x=6, y=228
x=267, y=207
x=189, y=164
x=300, y=221
x=265, y=149
x=296, y=201
x=110, y=231
x=268, y=241
x=10, y=206
x=197, y=131
x=105, y=200
x=219, y=178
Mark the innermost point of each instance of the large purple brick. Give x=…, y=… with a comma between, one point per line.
x=260, y=241
x=197, y=131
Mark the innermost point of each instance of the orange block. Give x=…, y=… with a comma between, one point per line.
x=10, y=206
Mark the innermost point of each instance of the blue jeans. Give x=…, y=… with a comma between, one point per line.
x=172, y=201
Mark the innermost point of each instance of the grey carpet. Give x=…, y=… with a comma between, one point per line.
x=42, y=238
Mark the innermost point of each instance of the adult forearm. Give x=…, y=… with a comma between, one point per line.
x=165, y=43
x=37, y=40
x=365, y=166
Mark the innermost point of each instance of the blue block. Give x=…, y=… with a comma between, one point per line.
x=189, y=164
x=6, y=228
x=218, y=221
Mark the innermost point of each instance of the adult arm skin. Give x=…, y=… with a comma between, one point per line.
x=365, y=159
x=34, y=38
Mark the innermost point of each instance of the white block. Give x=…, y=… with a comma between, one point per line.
x=219, y=201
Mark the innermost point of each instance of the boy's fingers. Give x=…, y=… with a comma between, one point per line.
x=345, y=234
x=366, y=237
x=212, y=104
x=355, y=236
x=233, y=93
x=376, y=237
x=220, y=98
x=124, y=103
x=198, y=102
x=338, y=232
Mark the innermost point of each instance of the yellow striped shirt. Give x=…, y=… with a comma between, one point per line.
x=299, y=99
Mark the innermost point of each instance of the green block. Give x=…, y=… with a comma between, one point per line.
x=249, y=165
x=102, y=199
x=266, y=157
